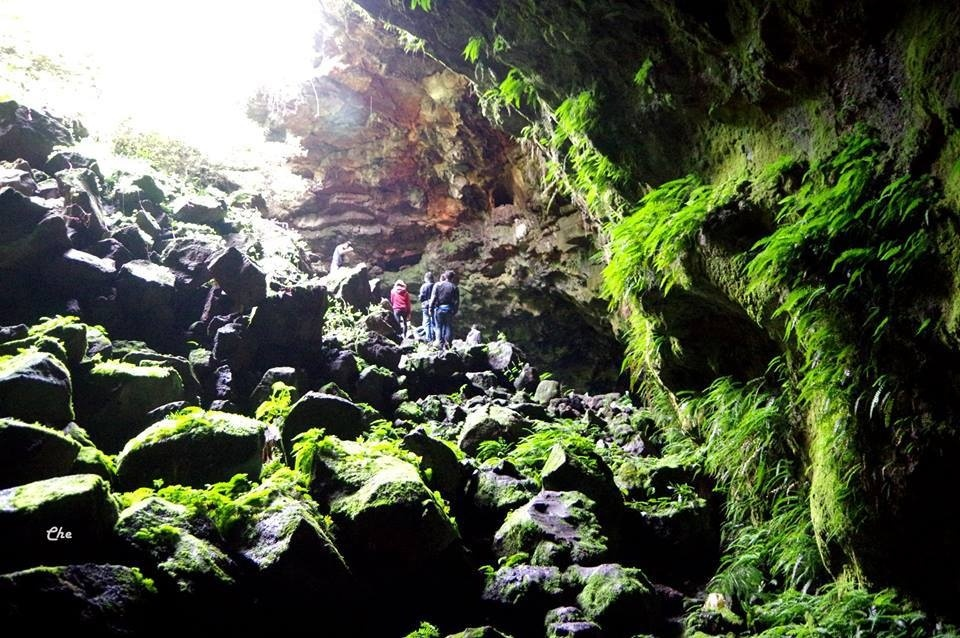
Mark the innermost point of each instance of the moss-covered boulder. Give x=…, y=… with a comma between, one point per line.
x=69, y=331
x=554, y=528
x=586, y=473
x=438, y=462
x=68, y=519
x=35, y=386
x=115, y=397
x=620, y=599
x=337, y=416
x=86, y=599
x=479, y=632
x=376, y=386
x=193, y=447
x=30, y=452
x=177, y=541
x=393, y=531
x=191, y=385
x=199, y=209
x=286, y=543
x=569, y=622
x=490, y=423
x=490, y=495
x=29, y=234
x=518, y=596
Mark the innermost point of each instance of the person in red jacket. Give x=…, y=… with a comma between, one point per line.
x=400, y=302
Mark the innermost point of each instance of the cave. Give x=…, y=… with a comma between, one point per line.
x=450, y=319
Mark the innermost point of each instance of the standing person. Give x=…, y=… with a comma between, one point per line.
x=340, y=256
x=445, y=302
x=400, y=302
x=426, y=290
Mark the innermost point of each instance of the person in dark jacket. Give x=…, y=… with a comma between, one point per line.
x=400, y=302
x=426, y=290
x=445, y=301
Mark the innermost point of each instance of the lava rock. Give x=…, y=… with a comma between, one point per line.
x=199, y=209
x=193, y=449
x=337, y=416
x=30, y=452
x=243, y=281
x=35, y=386
x=29, y=134
x=490, y=423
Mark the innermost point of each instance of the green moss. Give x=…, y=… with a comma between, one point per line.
x=190, y=419
x=113, y=367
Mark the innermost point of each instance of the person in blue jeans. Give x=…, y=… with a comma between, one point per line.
x=426, y=290
x=445, y=302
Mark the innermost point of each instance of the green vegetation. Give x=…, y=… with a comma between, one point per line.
x=277, y=407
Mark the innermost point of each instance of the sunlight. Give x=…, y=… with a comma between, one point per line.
x=182, y=68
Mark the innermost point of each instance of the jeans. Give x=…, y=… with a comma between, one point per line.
x=401, y=316
x=445, y=324
x=428, y=325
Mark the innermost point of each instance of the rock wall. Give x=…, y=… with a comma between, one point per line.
x=405, y=166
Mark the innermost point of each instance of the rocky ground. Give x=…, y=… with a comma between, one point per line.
x=198, y=434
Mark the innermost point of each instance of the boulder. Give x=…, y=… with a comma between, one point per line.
x=131, y=192
x=30, y=452
x=35, y=386
x=57, y=521
x=81, y=197
x=30, y=233
x=135, y=241
x=342, y=368
x=145, y=288
x=88, y=599
x=569, y=622
x=72, y=334
x=188, y=258
x=116, y=397
x=438, y=463
x=18, y=179
x=518, y=596
x=243, y=280
x=194, y=447
x=479, y=632
x=148, y=224
x=547, y=390
x=28, y=134
x=64, y=160
x=490, y=423
x=620, y=599
x=286, y=543
x=336, y=415
x=584, y=472
x=375, y=386
x=554, y=528
x=176, y=540
x=352, y=285
x=287, y=328
x=503, y=356
x=264, y=388
x=379, y=350
x=191, y=385
x=199, y=209
x=79, y=273
x=393, y=531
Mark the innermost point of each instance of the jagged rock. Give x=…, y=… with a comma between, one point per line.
x=264, y=388
x=148, y=224
x=35, y=386
x=199, y=209
x=18, y=179
x=29, y=134
x=337, y=416
x=35, y=518
x=243, y=281
x=115, y=397
x=619, y=599
x=145, y=293
x=519, y=596
x=227, y=341
x=352, y=285
x=490, y=423
x=189, y=256
x=30, y=452
x=13, y=333
x=341, y=367
x=287, y=544
x=483, y=381
x=81, y=197
x=48, y=189
x=222, y=385
x=375, y=386
x=438, y=461
x=134, y=240
x=546, y=391
x=89, y=599
x=65, y=160
x=586, y=473
x=113, y=250
x=71, y=334
x=29, y=232
x=526, y=379
x=77, y=271
x=554, y=528
x=287, y=329
x=380, y=351
x=195, y=448
x=167, y=535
